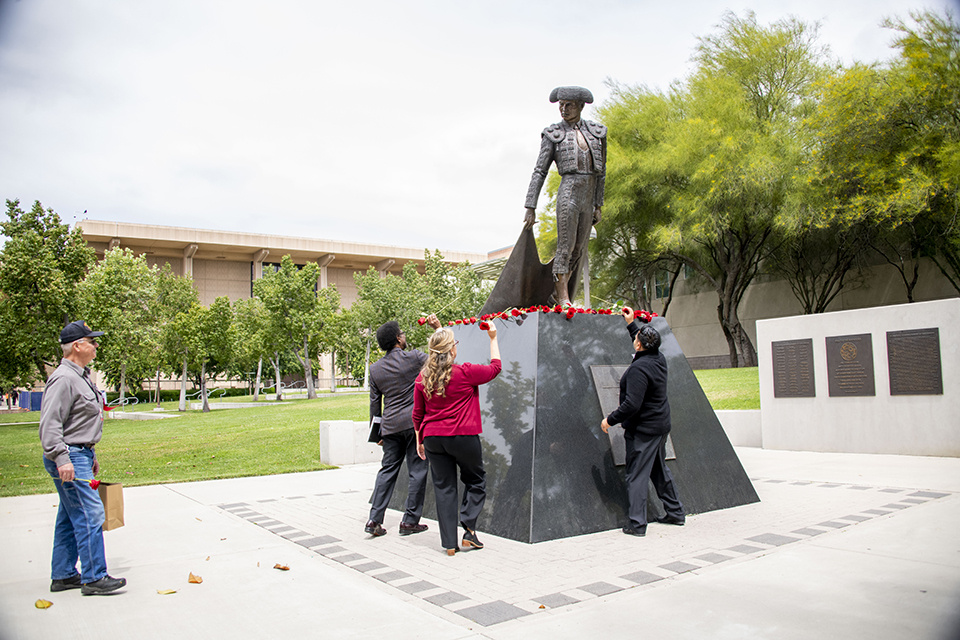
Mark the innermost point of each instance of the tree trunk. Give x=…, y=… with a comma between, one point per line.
x=123, y=381
x=308, y=371
x=256, y=389
x=183, y=386
x=333, y=372
x=158, y=386
x=275, y=361
x=203, y=387
x=366, y=364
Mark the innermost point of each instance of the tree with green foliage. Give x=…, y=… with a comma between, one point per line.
x=705, y=170
x=299, y=312
x=450, y=291
x=174, y=295
x=251, y=320
x=118, y=297
x=888, y=153
x=41, y=265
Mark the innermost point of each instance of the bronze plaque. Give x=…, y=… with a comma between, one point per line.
x=850, y=365
x=913, y=359
x=793, y=369
x=607, y=380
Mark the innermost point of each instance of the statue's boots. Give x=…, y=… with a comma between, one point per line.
x=561, y=290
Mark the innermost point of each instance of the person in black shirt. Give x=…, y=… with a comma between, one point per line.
x=644, y=412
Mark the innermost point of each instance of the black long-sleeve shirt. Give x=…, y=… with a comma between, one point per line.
x=644, y=407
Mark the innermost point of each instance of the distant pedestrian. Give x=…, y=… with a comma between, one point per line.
x=71, y=424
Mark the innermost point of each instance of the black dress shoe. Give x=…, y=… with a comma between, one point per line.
x=630, y=531
x=374, y=529
x=106, y=584
x=470, y=540
x=406, y=528
x=72, y=582
x=669, y=519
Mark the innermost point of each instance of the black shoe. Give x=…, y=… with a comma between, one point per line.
x=406, y=528
x=106, y=584
x=669, y=519
x=630, y=531
x=470, y=540
x=72, y=582
x=374, y=529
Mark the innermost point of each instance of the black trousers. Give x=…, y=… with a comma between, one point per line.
x=396, y=446
x=646, y=461
x=446, y=454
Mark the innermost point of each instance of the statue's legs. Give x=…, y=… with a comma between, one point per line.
x=574, y=219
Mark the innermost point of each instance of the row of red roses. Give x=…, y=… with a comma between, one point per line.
x=570, y=312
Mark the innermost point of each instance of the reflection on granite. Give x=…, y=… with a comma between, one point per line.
x=550, y=468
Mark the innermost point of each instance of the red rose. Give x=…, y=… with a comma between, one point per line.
x=94, y=484
x=533, y=309
x=473, y=321
x=504, y=316
x=451, y=323
x=515, y=312
x=421, y=321
x=484, y=326
x=571, y=312
x=459, y=321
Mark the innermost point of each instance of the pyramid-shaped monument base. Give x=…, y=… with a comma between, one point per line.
x=551, y=471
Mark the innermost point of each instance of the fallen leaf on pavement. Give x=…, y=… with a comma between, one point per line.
x=166, y=592
x=194, y=579
x=208, y=558
x=282, y=567
x=43, y=604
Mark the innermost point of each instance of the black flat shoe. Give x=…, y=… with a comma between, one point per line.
x=72, y=582
x=630, y=531
x=407, y=529
x=374, y=529
x=668, y=519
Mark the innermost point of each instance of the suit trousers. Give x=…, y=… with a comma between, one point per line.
x=646, y=461
x=575, y=207
x=446, y=454
x=396, y=447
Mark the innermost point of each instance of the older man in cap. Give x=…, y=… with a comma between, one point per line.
x=579, y=147
x=71, y=424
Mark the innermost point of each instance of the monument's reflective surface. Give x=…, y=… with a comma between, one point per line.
x=550, y=468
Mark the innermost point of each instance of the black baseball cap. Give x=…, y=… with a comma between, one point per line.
x=76, y=330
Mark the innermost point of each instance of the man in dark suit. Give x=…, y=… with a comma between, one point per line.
x=579, y=147
x=391, y=402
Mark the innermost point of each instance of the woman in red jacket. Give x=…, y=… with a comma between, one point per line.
x=446, y=417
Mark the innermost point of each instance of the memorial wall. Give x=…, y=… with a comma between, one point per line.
x=879, y=380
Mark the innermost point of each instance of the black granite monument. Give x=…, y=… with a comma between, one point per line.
x=550, y=469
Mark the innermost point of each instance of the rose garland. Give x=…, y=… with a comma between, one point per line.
x=519, y=315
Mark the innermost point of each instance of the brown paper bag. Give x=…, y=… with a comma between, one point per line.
x=111, y=495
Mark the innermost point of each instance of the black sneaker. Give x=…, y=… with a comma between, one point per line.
x=470, y=540
x=106, y=584
x=72, y=582
x=630, y=531
x=374, y=529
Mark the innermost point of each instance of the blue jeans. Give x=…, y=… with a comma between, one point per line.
x=78, y=533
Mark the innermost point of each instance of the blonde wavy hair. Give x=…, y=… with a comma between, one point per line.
x=436, y=373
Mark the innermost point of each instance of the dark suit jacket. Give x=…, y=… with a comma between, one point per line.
x=391, y=388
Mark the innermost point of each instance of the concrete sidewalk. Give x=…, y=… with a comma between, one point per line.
x=840, y=546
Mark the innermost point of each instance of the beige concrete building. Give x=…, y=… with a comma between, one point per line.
x=225, y=263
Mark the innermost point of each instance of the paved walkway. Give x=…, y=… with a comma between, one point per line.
x=840, y=546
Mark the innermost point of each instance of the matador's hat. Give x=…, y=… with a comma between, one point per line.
x=575, y=94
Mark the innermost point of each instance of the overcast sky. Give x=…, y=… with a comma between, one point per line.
x=411, y=123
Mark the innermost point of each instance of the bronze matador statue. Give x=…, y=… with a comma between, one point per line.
x=579, y=149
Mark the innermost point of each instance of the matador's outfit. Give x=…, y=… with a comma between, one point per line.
x=580, y=151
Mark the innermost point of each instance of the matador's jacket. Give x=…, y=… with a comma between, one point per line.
x=558, y=143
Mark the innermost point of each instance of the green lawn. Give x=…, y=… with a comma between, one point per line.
x=230, y=443
x=225, y=443
x=731, y=388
